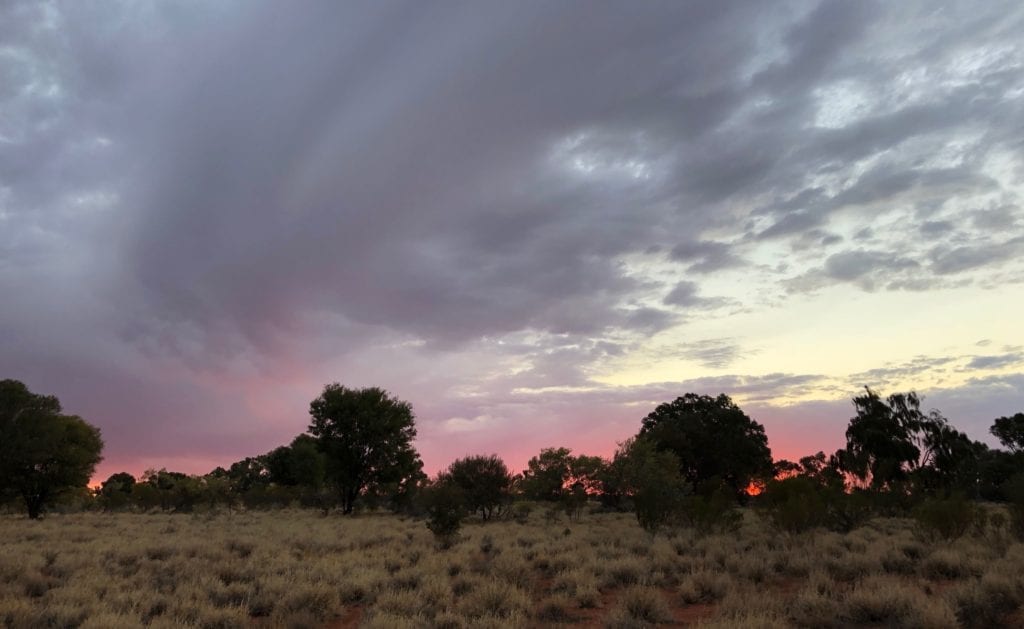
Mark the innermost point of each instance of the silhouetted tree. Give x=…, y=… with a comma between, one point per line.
x=485, y=482
x=1010, y=432
x=889, y=439
x=247, y=474
x=711, y=437
x=298, y=464
x=42, y=451
x=445, y=507
x=175, y=491
x=116, y=491
x=366, y=436
x=650, y=478
x=545, y=474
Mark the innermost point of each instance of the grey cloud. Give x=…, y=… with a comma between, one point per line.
x=947, y=261
x=712, y=353
x=855, y=264
x=996, y=361
x=936, y=228
x=255, y=189
x=706, y=256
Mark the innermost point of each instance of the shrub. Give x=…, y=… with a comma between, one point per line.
x=639, y=606
x=986, y=602
x=445, y=508
x=795, y=504
x=704, y=586
x=947, y=518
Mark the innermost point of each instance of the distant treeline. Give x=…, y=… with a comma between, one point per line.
x=692, y=462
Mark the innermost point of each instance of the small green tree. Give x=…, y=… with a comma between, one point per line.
x=116, y=491
x=445, y=507
x=42, y=451
x=651, y=480
x=485, y=482
x=545, y=474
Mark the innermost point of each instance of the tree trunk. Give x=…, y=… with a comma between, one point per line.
x=34, y=504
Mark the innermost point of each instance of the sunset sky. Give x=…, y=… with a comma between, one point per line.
x=534, y=221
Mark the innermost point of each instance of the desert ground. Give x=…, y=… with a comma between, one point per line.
x=294, y=568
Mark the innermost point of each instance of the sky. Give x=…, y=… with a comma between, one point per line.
x=534, y=221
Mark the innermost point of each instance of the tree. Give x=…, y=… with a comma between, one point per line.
x=485, y=482
x=651, y=479
x=888, y=439
x=555, y=474
x=116, y=491
x=545, y=474
x=1010, y=432
x=366, y=436
x=299, y=464
x=42, y=451
x=445, y=506
x=712, y=438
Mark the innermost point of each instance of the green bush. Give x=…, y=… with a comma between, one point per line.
x=712, y=509
x=796, y=504
x=445, y=507
x=1013, y=489
x=947, y=518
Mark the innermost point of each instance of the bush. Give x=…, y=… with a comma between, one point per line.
x=445, y=507
x=947, y=518
x=713, y=509
x=1013, y=489
x=796, y=504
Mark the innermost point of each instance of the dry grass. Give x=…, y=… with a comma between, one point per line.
x=299, y=569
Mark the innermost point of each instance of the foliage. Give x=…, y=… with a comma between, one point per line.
x=1013, y=489
x=485, y=482
x=116, y=491
x=1010, y=432
x=795, y=504
x=42, y=451
x=712, y=508
x=366, y=436
x=545, y=474
x=947, y=518
x=651, y=480
x=298, y=464
x=882, y=441
x=445, y=506
x=711, y=438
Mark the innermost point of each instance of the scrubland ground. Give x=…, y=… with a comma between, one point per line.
x=301, y=569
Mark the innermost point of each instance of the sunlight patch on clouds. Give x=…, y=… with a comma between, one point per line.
x=842, y=103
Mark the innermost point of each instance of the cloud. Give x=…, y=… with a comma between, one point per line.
x=996, y=361
x=213, y=209
x=712, y=353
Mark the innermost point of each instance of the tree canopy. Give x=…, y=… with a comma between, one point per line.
x=43, y=451
x=484, y=481
x=712, y=438
x=1010, y=432
x=366, y=436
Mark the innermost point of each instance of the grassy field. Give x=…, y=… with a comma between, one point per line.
x=301, y=569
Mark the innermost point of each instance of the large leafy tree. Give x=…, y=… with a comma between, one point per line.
x=712, y=438
x=42, y=451
x=366, y=436
x=1010, y=432
x=484, y=481
x=892, y=439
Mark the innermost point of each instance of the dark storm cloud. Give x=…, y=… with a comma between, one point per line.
x=212, y=196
